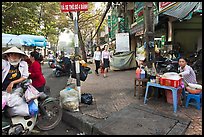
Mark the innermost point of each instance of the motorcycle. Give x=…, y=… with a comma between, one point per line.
x=195, y=61
x=61, y=70
x=48, y=116
x=168, y=64
x=52, y=63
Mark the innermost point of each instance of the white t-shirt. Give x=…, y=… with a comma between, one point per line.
x=97, y=55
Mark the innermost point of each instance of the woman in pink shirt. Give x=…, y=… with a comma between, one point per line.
x=105, y=60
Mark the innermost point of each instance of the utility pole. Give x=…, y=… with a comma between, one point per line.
x=149, y=33
x=75, y=7
x=76, y=43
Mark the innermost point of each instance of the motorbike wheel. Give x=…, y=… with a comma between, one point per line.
x=54, y=116
x=57, y=73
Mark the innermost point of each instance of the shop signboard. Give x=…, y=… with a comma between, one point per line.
x=139, y=12
x=165, y=5
x=163, y=39
x=138, y=29
x=114, y=23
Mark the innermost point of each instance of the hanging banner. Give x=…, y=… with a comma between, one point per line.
x=74, y=6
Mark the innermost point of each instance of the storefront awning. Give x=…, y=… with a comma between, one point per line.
x=9, y=40
x=184, y=10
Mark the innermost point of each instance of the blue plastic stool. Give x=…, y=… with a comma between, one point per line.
x=196, y=97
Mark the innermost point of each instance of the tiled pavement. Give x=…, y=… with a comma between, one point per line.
x=113, y=93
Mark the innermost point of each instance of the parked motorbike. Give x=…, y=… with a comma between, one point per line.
x=62, y=70
x=195, y=61
x=169, y=63
x=48, y=116
x=52, y=63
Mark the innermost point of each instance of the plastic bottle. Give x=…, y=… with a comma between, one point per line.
x=138, y=73
x=142, y=74
x=153, y=74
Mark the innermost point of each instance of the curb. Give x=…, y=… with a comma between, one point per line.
x=82, y=122
x=94, y=126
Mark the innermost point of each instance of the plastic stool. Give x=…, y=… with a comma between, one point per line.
x=196, y=97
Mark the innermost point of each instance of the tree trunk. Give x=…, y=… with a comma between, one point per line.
x=149, y=33
x=82, y=46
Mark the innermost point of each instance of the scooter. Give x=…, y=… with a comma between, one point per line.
x=165, y=64
x=195, y=61
x=61, y=70
x=52, y=63
x=48, y=116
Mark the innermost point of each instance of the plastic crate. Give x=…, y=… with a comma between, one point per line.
x=170, y=82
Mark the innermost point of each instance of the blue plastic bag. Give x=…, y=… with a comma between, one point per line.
x=33, y=108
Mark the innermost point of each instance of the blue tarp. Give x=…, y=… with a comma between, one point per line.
x=9, y=40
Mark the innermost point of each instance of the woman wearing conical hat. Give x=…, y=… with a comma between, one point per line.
x=14, y=69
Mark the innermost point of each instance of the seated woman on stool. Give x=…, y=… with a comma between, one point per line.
x=186, y=72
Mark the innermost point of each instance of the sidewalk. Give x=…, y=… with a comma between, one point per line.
x=115, y=110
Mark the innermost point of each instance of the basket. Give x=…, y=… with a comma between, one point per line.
x=169, y=96
x=170, y=82
x=193, y=91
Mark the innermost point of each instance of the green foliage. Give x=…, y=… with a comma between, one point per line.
x=45, y=18
x=37, y=18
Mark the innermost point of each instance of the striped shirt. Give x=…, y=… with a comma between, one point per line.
x=188, y=74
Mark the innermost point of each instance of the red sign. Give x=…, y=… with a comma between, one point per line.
x=74, y=6
x=164, y=5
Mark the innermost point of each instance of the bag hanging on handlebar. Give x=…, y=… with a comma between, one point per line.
x=31, y=93
x=33, y=108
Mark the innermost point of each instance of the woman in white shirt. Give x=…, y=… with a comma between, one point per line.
x=97, y=59
x=14, y=69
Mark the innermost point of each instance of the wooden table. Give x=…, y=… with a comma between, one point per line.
x=141, y=85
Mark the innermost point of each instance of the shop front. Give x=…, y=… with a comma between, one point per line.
x=183, y=23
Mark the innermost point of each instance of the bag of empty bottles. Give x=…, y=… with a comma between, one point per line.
x=69, y=99
x=86, y=98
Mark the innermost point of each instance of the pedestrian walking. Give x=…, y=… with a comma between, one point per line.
x=105, y=60
x=97, y=59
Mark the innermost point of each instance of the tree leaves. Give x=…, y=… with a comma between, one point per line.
x=46, y=18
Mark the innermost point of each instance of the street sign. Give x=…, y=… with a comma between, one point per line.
x=74, y=6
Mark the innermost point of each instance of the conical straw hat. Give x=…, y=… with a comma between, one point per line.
x=14, y=50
